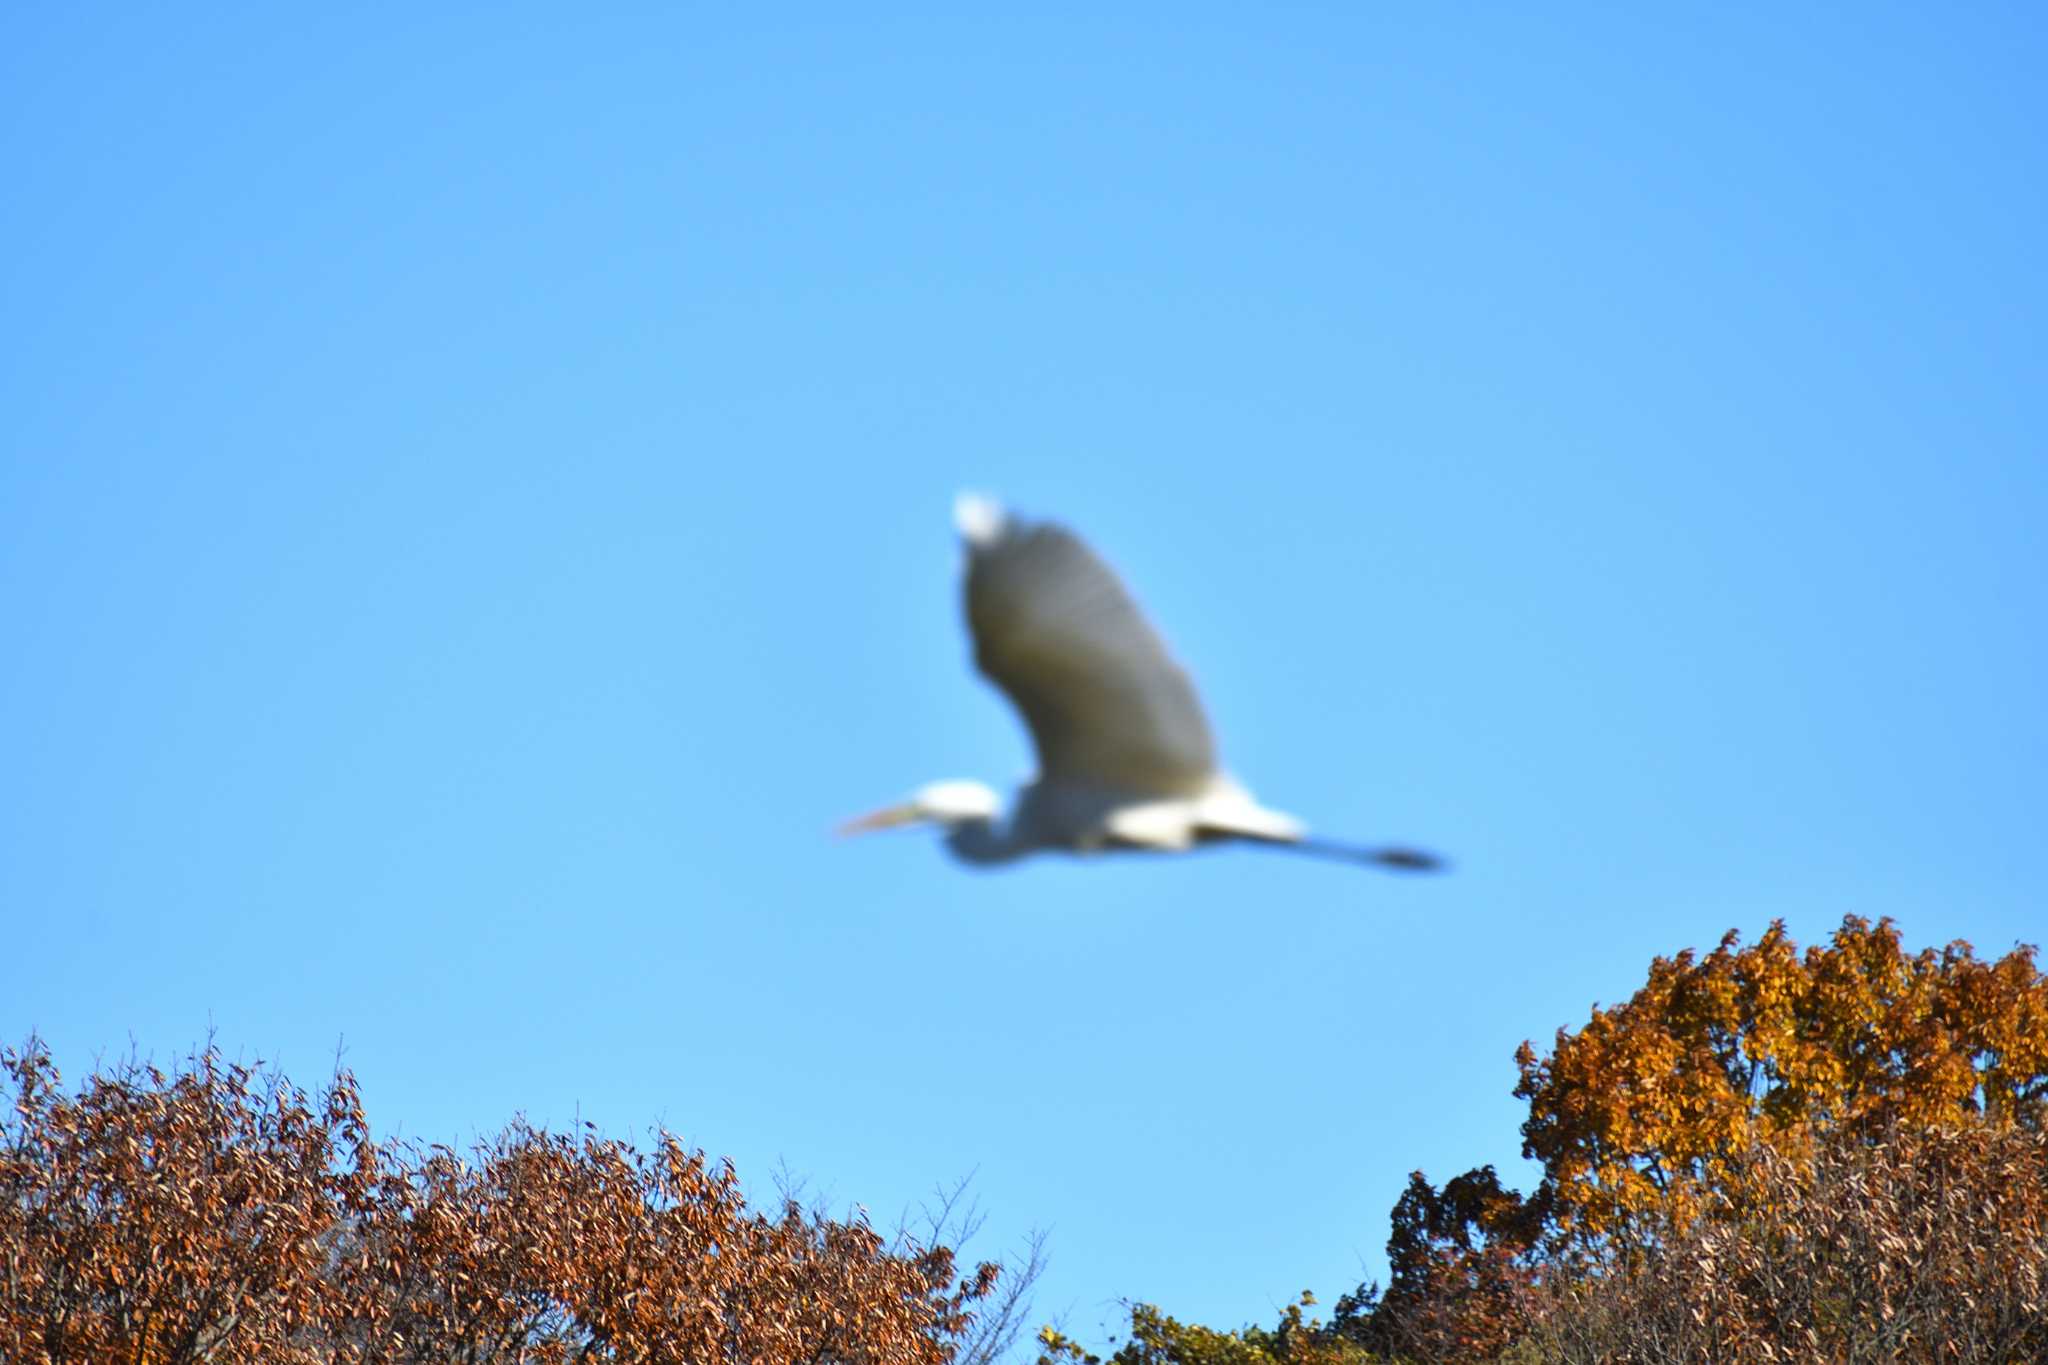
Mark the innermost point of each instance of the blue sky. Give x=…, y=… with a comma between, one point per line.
x=474, y=512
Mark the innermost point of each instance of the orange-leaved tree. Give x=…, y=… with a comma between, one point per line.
x=1653, y=1113
x=1723, y=1156
x=1641, y=1113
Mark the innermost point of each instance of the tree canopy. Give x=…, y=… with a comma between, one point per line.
x=1636, y=1115
x=218, y=1213
x=1761, y=1154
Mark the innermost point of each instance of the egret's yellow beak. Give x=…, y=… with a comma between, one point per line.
x=888, y=817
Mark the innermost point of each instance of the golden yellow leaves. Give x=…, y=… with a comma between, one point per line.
x=1642, y=1110
x=1761, y=1155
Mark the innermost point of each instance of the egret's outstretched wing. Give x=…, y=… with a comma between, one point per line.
x=1054, y=629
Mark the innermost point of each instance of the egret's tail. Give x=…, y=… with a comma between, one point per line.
x=1228, y=811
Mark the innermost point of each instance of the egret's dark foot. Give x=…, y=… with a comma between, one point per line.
x=1409, y=860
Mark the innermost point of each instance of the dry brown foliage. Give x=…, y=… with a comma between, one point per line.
x=219, y=1214
x=1927, y=1245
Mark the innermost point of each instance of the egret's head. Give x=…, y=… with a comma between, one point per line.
x=943, y=803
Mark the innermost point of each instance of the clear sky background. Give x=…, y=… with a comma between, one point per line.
x=475, y=512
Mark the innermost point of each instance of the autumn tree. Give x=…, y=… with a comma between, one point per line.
x=1637, y=1116
x=220, y=1214
x=1762, y=1154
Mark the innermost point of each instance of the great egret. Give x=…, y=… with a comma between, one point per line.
x=1125, y=756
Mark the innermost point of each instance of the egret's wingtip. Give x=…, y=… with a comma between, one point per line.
x=979, y=518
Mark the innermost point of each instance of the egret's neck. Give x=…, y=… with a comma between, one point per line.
x=982, y=840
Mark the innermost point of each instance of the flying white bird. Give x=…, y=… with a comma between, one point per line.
x=1125, y=756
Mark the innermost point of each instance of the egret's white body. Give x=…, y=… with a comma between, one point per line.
x=1125, y=755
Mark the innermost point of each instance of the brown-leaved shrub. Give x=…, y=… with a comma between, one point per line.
x=219, y=1214
x=1924, y=1245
